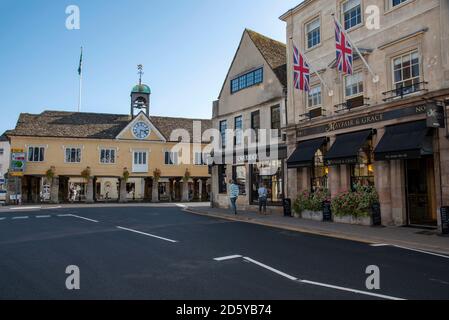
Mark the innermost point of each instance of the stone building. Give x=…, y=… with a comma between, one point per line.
x=91, y=157
x=383, y=133
x=4, y=165
x=253, y=97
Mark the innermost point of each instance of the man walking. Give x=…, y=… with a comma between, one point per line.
x=234, y=193
x=263, y=198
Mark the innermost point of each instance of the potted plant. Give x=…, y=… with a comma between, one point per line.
x=86, y=174
x=187, y=176
x=126, y=174
x=50, y=174
x=309, y=205
x=157, y=175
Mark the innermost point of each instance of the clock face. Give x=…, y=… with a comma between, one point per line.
x=141, y=130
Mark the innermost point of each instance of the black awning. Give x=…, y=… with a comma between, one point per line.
x=345, y=149
x=404, y=141
x=304, y=154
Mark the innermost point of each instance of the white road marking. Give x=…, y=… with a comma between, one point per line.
x=227, y=258
x=64, y=215
x=1, y=219
x=52, y=208
x=147, y=234
x=410, y=249
x=271, y=269
x=313, y=283
x=24, y=208
x=181, y=205
x=42, y=217
x=351, y=290
x=83, y=218
x=19, y=218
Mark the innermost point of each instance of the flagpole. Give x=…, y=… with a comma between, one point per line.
x=330, y=92
x=375, y=76
x=80, y=91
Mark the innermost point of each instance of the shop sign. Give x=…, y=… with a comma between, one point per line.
x=435, y=116
x=362, y=121
x=445, y=220
x=18, y=161
x=342, y=161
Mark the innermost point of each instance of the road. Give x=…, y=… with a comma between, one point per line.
x=166, y=253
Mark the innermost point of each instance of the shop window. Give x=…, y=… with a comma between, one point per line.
x=352, y=13
x=313, y=33
x=406, y=73
x=36, y=154
x=73, y=155
x=107, y=156
x=223, y=128
x=239, y=176
x=362, y=173
x=320, y=172
x=238, y=126
x=268, y=174
x=255, y=125
x=276, y=119
x=222, y=185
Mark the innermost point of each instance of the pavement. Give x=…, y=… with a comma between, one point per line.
x=412, y=238
x=165, y=253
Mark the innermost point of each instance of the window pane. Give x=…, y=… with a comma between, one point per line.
x=67, y=155
x=41, y=154
x=30, y=154
x=36, y=154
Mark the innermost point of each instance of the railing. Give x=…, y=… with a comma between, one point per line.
x=403, y=91
x=352, y=104
x=313, y=114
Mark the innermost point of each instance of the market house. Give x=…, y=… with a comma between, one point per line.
x=392, y=134
x=87, y=157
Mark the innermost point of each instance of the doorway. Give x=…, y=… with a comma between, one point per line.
x=420, y=189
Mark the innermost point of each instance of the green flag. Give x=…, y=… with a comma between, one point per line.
x=80, y=68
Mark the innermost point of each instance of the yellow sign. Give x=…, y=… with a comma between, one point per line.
x=15, y=174
x=17, y=150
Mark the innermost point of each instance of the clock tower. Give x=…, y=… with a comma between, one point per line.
x=140, y=96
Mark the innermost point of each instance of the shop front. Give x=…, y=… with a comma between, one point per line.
x=250, y=171
x=397, y=152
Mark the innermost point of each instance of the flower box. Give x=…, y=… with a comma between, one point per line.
x=362, y=221
x=312, y=215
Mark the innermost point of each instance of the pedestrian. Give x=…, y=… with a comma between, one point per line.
x=234, y=193
x=263, y=198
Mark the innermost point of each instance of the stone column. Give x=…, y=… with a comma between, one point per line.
x=54, y=191
x=334, y=180
x=383, y=187
x=345, y=178
x=90, y=191
x=292, y=176
x=123, y=194
x=185, y=191
x=200, y=189
x=398, y=201
x=155, y=192
x=304, y=179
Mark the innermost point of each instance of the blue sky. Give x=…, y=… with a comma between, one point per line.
x=186, y=47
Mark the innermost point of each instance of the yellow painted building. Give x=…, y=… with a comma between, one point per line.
x=104, y=157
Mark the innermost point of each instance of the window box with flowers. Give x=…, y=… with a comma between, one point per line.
x=309, y=205
x=355, y=207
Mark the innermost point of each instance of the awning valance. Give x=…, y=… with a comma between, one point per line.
x=304, y=154
x=346, y=147
x=405, y=141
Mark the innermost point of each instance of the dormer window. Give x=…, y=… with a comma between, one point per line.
x=247, y=80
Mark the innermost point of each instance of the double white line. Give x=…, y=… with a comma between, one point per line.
x=313, y=283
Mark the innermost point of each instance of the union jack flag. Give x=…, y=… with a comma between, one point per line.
x=344, y=50
x=301, y=71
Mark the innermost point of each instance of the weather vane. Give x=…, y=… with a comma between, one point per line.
x=140, y=73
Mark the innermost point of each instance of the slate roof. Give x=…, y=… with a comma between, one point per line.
x=62, y=124
x=4, y=137
x=274, y=52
